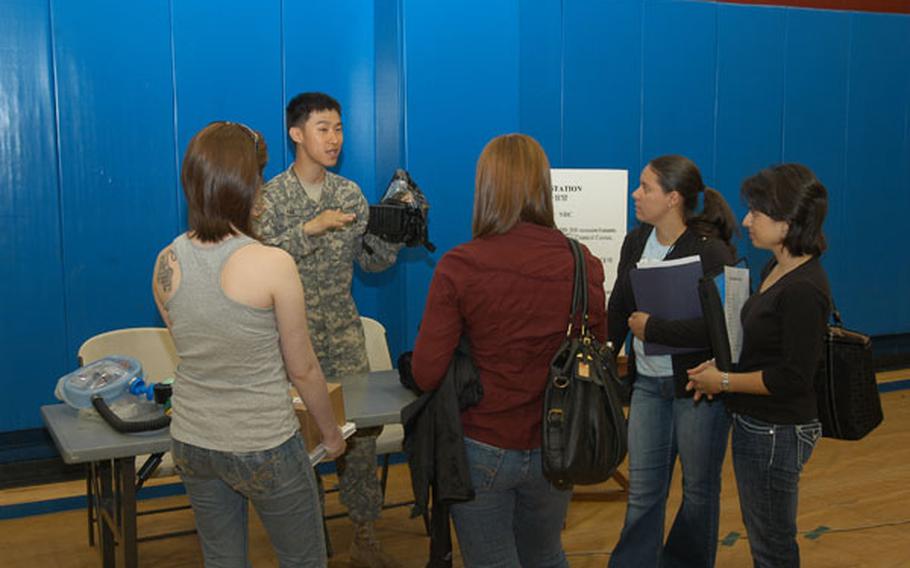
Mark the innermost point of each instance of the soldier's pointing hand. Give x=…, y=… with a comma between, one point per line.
x=328, y=220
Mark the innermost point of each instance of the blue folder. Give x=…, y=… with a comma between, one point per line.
x=670, y=293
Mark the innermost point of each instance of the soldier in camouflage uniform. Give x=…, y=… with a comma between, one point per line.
x=320, y=218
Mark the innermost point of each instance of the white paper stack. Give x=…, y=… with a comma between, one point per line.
x=318, y=453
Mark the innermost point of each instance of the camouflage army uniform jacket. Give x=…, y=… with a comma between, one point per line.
x=326, y=262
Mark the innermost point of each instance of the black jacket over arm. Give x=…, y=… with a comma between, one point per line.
x=434, y=444
x=714, y=254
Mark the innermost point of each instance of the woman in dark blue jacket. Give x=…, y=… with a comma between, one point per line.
x=680, y=217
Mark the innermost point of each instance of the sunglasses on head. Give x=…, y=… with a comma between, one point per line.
x=249, y=131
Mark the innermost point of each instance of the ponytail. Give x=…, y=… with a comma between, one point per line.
x=715, y=218
x=705, y=211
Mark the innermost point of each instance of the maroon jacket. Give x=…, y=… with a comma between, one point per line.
x=510, y=295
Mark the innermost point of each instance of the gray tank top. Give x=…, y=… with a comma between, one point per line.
x=231, y=386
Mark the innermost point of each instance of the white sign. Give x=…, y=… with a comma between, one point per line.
x=590, y=206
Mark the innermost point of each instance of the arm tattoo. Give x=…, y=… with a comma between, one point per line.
x=165, y=272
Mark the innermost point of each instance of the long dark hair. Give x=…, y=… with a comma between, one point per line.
x=706, y=212
x=791, y=193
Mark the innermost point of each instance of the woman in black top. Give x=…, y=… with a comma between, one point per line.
x=771, y=397
x=680, y=217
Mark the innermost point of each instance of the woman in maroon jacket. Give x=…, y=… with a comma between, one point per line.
x=508, y=290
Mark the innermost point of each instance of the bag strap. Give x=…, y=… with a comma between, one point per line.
x=835, y=315
x=573, y=307
x=581, y=280
x=579, y=307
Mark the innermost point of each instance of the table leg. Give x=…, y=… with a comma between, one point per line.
x=90, y=502
x=104, y=504
x=126, y=470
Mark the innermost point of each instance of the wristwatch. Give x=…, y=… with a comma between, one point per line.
x=724, y=381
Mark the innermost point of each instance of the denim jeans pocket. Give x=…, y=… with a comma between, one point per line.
x=260, y=473
x=182, y=454
x=807, y=436
x=753, y=426
x=485, y=461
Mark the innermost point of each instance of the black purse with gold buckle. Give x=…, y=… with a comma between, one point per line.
x=584, y=428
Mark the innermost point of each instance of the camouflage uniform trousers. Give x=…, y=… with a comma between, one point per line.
x=358, y=485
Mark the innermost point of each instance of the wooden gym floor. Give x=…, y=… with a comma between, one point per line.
x=854, y=512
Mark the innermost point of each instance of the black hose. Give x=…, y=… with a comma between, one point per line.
x=128, y=426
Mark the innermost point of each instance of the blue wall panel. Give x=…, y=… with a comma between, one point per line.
x=750, y=87
x=227, y=66
x=875, y=204
x=388, y=89
x=32, y=310
x=462, y=89
x=117, y=173
x=678, y=85
x=389, y=121
x=603, y=86
x=540, y=78
x=815, y=110
x=336, y=57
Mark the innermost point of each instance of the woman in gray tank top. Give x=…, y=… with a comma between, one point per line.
x=236, y=311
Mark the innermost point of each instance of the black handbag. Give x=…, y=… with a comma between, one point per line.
x=849, y=406
x=584, y=428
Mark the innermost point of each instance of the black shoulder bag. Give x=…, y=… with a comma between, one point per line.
x=849, y=406
x=584, y=428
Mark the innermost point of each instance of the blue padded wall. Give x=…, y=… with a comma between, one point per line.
x=874, y=273
x=678, y=81
x=541, y=75
x=32, y=301
x=100, y=99
x=229, y=69
x=815, y=109
x=603, y=86
x=461, y=74
x=117, y=175
x=751, y=45
x=389, y=121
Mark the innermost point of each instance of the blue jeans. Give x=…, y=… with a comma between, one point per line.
x=282, y=487
x=660, y=428
x=516, y=516
x=768, y=460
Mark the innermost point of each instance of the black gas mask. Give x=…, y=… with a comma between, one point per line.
x=401, y=216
